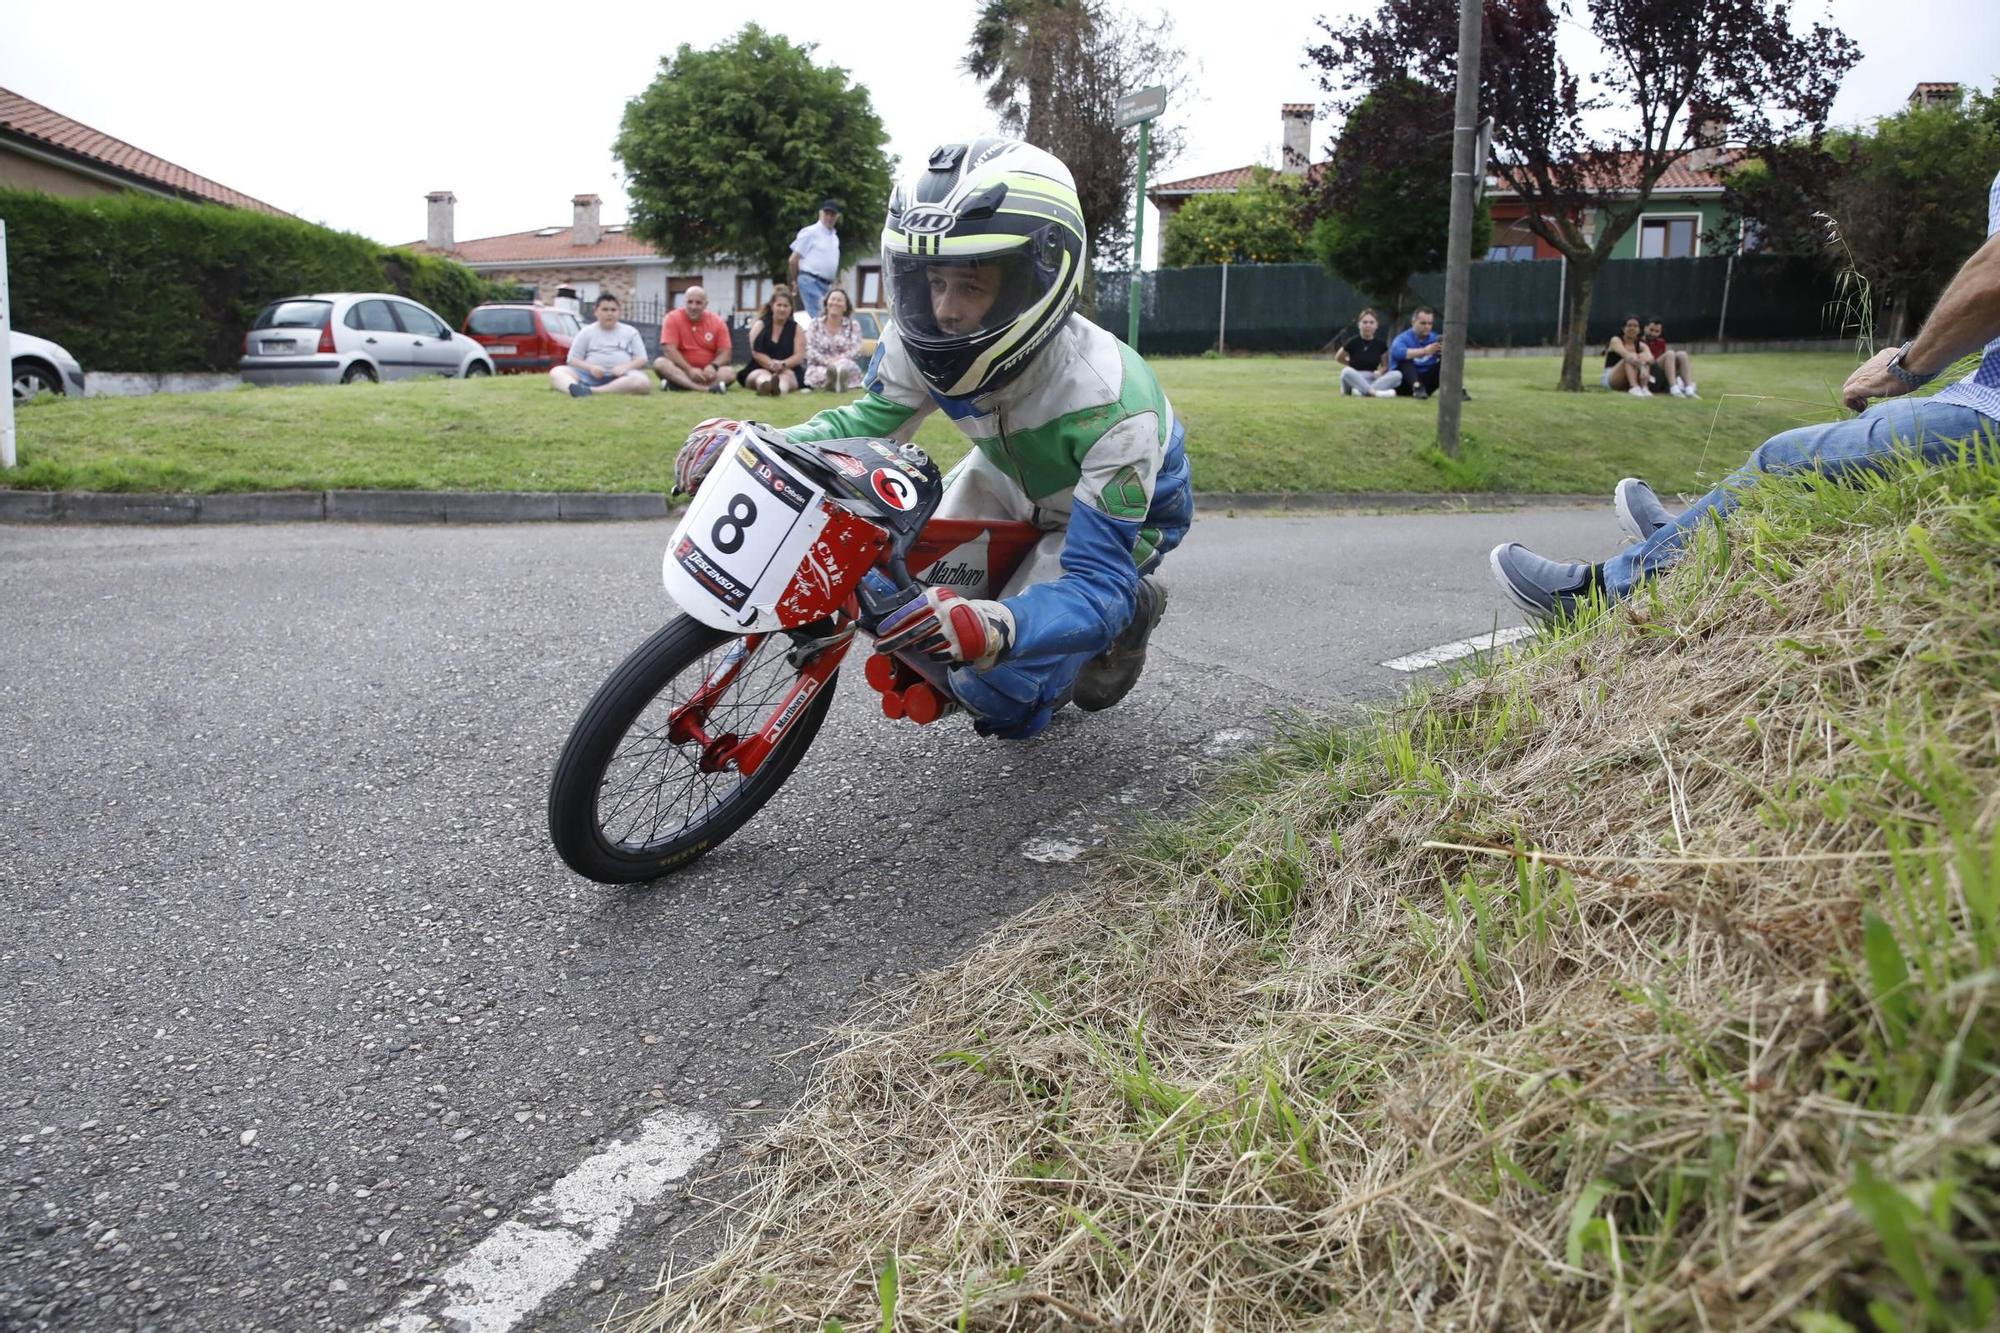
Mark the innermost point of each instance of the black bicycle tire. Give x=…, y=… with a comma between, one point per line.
x=573, y=787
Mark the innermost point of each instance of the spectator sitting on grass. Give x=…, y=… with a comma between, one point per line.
x=694, y=347
x=1628, y=362
x=1673, y=372
x=604, y=357
x=1414, y=355
x=832, y=344
x=776, y=348
x=1963, y=418
x=1361, y=360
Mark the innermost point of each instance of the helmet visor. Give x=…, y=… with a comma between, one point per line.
x=946, y=299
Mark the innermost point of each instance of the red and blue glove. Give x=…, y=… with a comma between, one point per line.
x=948, y=628
x=705, y=443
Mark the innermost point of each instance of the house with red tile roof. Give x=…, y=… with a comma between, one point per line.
x=1295, y=120
x=46, y=151
x=1684, y=207
x=591, y=258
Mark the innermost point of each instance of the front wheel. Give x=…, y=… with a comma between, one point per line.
x=627, y=802
x=476, y=370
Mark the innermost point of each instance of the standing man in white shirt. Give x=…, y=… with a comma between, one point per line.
x=815, y=259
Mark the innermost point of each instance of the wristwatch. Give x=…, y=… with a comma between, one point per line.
x=1909, y=378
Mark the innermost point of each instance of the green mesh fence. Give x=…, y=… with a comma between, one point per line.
x=1301, y=307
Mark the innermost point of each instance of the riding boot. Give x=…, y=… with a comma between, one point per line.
x=1110, y=676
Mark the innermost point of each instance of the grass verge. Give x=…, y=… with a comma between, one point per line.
x=1254, y=424
x=1645, y=980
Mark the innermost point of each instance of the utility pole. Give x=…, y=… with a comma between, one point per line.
x=1458, y=259
x=1141, y=109
x=1138, y=238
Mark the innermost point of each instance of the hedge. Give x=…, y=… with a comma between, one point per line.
x=129, y=282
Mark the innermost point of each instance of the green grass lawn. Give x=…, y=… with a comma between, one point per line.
x=1254, y=424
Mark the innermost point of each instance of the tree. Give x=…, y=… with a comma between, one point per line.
x=1673, y=80
x=1054, y=71
x=1383, y=211
x=1902, y=202
x=730, y=151
x=1258, y=224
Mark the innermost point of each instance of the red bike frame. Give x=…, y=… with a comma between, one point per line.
x=1007, y=545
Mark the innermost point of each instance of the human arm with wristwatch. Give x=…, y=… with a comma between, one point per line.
x=1965, y=318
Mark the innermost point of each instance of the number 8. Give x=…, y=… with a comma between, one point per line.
x=736, y=523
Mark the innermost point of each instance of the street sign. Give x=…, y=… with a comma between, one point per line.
x=1146, y=104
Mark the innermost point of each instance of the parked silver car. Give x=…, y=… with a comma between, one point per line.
x=341, y=337
x=40, y=367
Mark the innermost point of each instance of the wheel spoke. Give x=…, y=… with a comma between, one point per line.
x=652, y=788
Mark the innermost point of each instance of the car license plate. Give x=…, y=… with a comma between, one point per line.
x=501, y=349
x=277, y=348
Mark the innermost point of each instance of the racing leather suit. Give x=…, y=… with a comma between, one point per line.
x=1083, y=444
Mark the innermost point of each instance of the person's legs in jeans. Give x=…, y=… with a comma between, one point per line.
x=1867, y=443
x=812, y=293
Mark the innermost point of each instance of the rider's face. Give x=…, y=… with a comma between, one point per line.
x=961, y=297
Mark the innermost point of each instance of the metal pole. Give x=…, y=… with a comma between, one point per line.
x=1722, y=320
x=1222, y=315
x=1138, y=237
x=6, y=360
x=1562, y=295
x=1458, y=260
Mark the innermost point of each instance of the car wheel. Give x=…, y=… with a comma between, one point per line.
x=32, y=379
x=477, y=368
x=358, y=373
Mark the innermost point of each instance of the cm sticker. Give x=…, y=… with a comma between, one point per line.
x=894, y=489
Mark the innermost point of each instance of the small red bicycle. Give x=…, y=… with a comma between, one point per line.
x=786, y=551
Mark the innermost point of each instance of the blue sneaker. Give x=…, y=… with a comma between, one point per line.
x=579, y=390
x=1545, y=590
x=1640, y=512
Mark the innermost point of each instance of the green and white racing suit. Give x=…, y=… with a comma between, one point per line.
x=1081, y=443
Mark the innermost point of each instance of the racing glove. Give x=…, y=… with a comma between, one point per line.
x=704, y=444
x=948, y=628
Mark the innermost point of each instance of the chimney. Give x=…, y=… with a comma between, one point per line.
x=438, y=235
x=1711, y=133
x=587, y=230
x=1297, y=119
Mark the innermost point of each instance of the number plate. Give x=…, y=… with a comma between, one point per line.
x=500, y=349
x=742, y=540
x=278, y=348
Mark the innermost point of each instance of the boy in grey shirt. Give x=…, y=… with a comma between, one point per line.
x=605, y=357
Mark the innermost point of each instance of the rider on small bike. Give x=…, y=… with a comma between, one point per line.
x=983, y=251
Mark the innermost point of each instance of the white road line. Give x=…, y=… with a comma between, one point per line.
x=525, y=1260
x=1451, y=652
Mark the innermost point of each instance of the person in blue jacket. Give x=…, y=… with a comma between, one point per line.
x=983, y=254
x=1416, y=353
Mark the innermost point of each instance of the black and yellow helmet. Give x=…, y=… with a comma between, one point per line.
x=984, y=250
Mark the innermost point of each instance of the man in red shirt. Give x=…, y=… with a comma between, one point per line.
x=1672, y=371
x=694, y=347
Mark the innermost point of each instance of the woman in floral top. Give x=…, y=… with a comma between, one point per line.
x=831, y=344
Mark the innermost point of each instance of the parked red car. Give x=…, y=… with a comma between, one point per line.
x=520, y=336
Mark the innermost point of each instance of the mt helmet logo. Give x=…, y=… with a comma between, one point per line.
x=927, y=220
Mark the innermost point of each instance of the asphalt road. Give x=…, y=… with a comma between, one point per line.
x=298, y=1008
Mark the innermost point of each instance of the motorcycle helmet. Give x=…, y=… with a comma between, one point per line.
x=983, y=252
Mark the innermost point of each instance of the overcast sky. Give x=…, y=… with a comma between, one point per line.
x=352, y=120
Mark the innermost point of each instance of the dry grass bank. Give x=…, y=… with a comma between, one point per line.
x=1646, y=981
